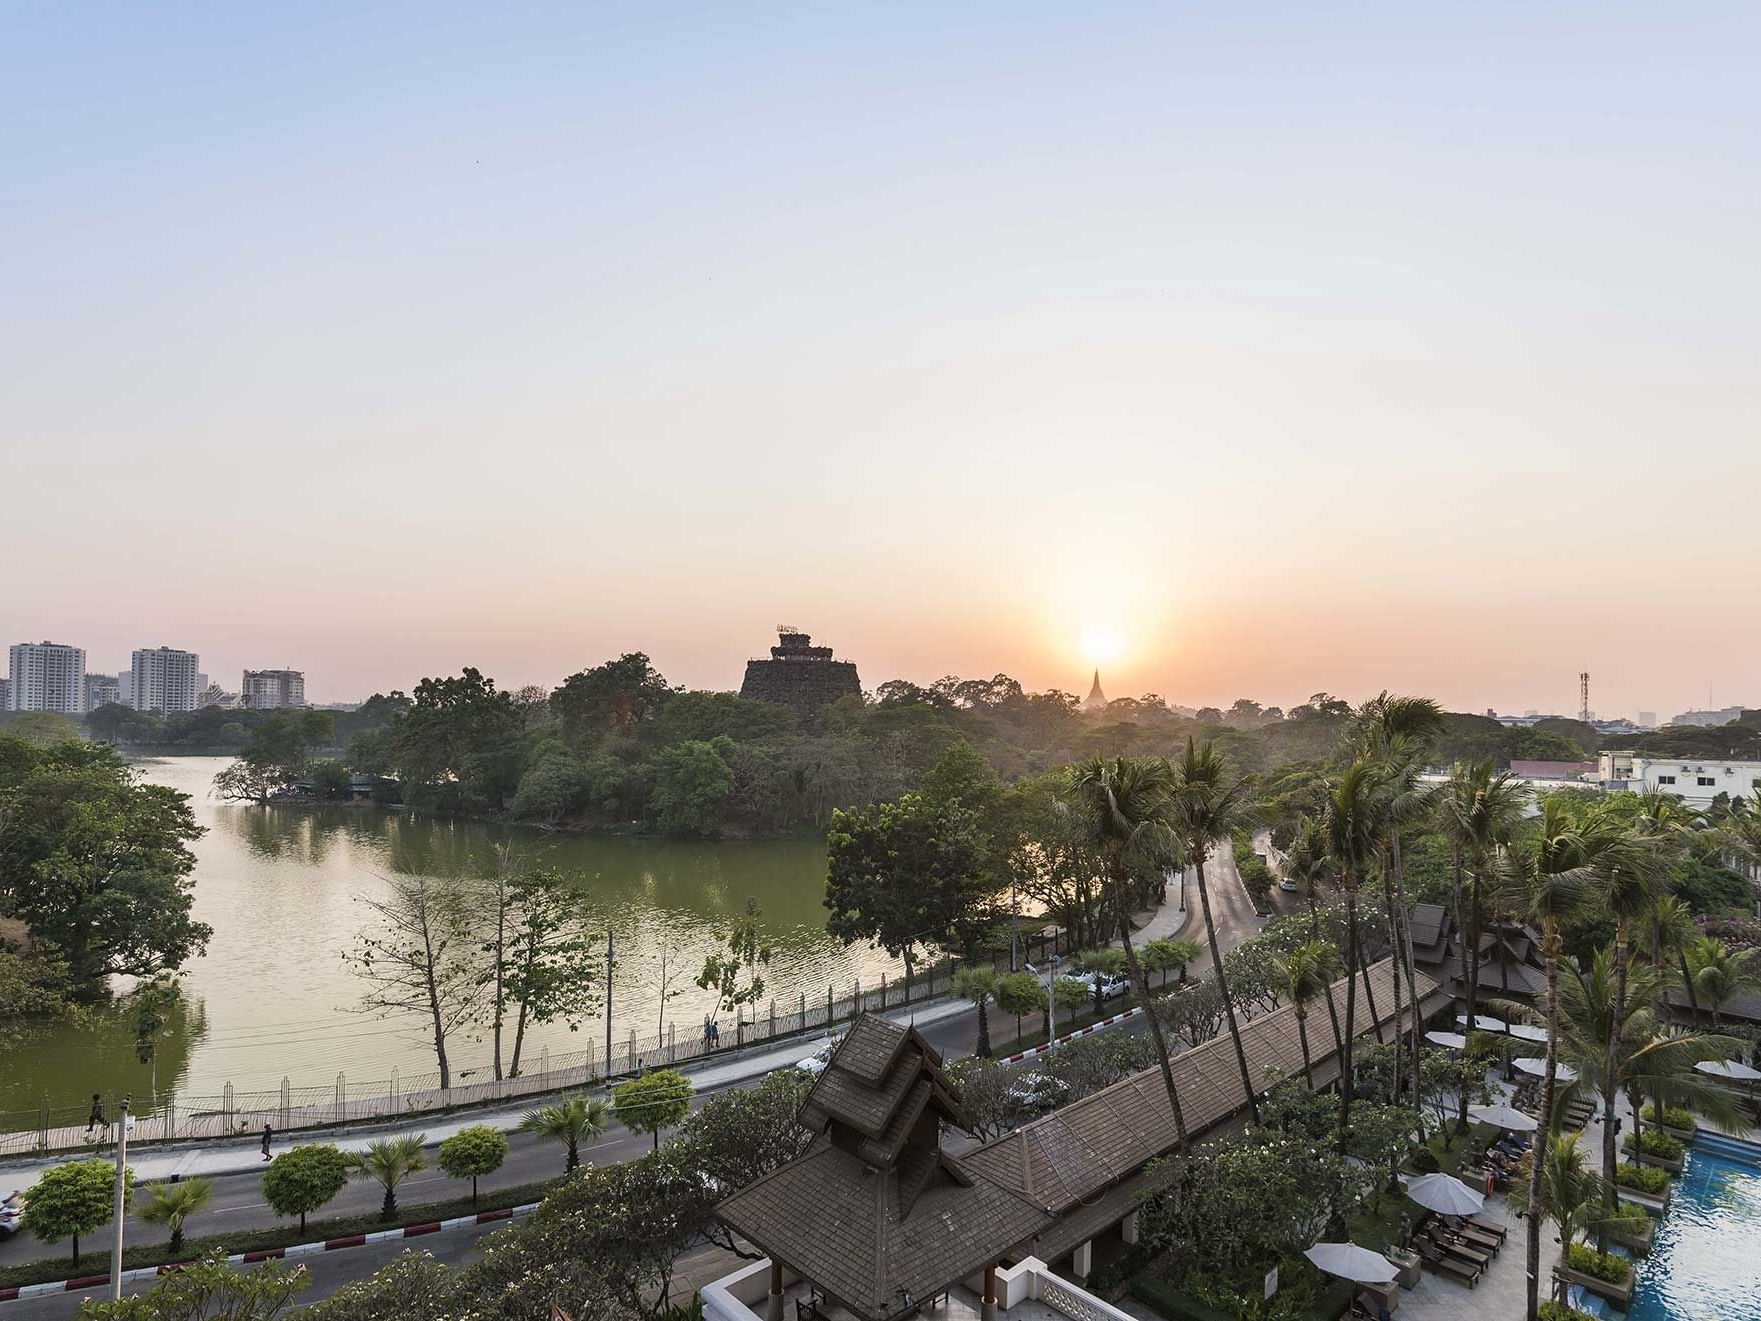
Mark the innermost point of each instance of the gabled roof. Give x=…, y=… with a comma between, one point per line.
x=879, y=1081
x=1072, y=1154
x=1428, y=927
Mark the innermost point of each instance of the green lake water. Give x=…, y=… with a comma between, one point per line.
x=272, y=997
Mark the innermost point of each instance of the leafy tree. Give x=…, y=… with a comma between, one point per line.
x=572, y=1121
x=1305, y=974
x=1068, y=997
x=33, y=992
x=95, y=863
x=43, y=729
x=1716, y=974
x=1105, y=963
x=461, y=743
x=692, y=781
x=1165, y=956
x=329, y=778
x=909, y=874
x=555, y=786
x=471, y=1153
x=388, y=1162
x=978, y=984
x=733, y=971
x=658, y=1099
x=171, y=1204
x=614, y=698
x=304, y=1179
x=744, y=1134
x=73, y=1200
x=1019, y=993
x=419, y=957
x=209, y=1290
x=414, y=1287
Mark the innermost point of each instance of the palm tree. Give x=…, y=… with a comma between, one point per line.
x=1399, y=731
x=1126, y=805
x=1308, y=865
x=978, y=984
x=1716, y=975
x=170, y=1204
x=1672, y=931
x=1547, y=885
x=1306, y=972
x=1356, y=806
x=1646, y=1060
x=1563, y=1190
x=1479, y=809
x=1208, y=805
x=573, y=1121
x=388, y=1162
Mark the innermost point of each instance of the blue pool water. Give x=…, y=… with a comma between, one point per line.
x=1705, y=1264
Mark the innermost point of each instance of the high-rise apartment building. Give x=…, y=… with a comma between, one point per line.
x=102, y=690
x=268, y=690
x=5, y=694
x=165, y=680
x=47, y=676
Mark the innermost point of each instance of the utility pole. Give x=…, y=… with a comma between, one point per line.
x=122, y=1125
x=608, y=955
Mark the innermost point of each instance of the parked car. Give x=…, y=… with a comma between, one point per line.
x=1111, y=987
x=1288, y=886
x=1038, y=1091
x=815, y=1063
x=11, y=1215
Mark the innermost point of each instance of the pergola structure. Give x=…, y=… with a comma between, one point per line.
x=874, y=1214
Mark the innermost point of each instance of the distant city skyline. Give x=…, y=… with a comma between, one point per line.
x=1396, y=346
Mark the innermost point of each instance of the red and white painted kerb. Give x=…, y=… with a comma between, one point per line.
x=144, y=1273
x=1055, y=1042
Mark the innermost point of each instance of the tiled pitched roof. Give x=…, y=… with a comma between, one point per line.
x=1426, y=926
x=1077, y=1151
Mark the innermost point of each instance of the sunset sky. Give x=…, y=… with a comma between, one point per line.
x=1293, y=347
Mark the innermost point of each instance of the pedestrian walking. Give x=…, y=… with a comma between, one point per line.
x=96, y=1118
x=268, y=1132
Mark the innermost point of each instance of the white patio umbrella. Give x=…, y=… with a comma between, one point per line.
x=1452, y=1040
x=1350, y=1262
x=1729, y=1069
x=1483, y=1023
x=1503, y=1116
x=1538, y=1069
x=1528, y=1032
x=1445, y=1193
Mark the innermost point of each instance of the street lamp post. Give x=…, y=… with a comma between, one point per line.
x=124, y=1121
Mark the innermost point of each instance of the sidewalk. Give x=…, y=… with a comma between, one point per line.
x=228, y=1156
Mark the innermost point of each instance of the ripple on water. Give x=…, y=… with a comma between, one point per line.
x=1706, y=1262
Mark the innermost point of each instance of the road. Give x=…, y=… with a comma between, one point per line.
x=238, y=1200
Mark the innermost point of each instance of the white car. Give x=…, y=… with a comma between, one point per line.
x=1288, y=886
x=1039, y=1091
x=1111, y=987
x=815, y=1063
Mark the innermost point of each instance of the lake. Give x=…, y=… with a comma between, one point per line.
x=273, y=998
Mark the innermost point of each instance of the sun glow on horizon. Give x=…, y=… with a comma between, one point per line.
x=1101, y=644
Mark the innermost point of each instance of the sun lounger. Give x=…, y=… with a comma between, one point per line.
x=1460, y=1270
x=1452, y=1246
x=1484, y=1223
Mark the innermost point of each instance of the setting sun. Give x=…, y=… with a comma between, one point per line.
x=1102, y=644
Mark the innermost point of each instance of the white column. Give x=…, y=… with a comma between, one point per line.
x=1082, y=1258
x=1128, y=1229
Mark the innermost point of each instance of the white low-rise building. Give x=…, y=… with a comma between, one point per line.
x=1695, y=779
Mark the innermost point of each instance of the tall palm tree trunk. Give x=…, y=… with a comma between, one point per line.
x=1363, y=966
x=1332, y=1009
x=1412, y=980
x=1616, y=1026
x=1537, y=1158
x=1135, y=969
x=1394, y=964
x=1204, y=898
x=1345, y=1060
x=1471, y=939
x=1681, y=957
x=1302, y=1035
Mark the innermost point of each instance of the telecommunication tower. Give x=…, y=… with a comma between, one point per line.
x=1584, y=696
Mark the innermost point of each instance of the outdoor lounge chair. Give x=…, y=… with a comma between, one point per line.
x=1451, y=1246
x=1474, y=1238
x=1460, y=1270
x=1370, y=1308
x=1481, y=1223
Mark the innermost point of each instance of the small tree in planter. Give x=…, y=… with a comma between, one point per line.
x=73, y=1199
x=978, y=984
x=304, y=1179
x=652, y=1102
x=1020, y=993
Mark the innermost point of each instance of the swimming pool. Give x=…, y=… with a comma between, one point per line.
x=1705, y=1264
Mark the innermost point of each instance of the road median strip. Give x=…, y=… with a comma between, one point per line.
x=142, y=1273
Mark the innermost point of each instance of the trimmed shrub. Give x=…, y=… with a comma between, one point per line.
x=1552, y=1311
x=1673, y=1117
x=1660, y=1145
x=1604, y=1266
x=1642, y=1178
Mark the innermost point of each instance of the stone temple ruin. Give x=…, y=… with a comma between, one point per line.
x=799, y=675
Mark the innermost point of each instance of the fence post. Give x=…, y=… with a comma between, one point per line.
x=856, y=1000
x=43, y=1125
x=773, y=1016
x=672, y=1045
x=171, y=1114
x=544, y=1068
x=631, y=1061
x=828, y=1006
x=804, y=1011
x=342, y=1097
x=286, y=1100
x=226, y=1107
x=391, y=1096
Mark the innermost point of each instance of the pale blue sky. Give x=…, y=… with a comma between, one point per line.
x=1306, y=346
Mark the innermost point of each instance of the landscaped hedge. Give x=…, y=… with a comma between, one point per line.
x=1604, y=1266
x=1673, y=1117
x=1660, y=1145
x=260, y=1240
x=1642, y=1178
x=1552, y=1311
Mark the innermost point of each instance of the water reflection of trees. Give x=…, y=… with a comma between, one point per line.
x=62, y=1066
